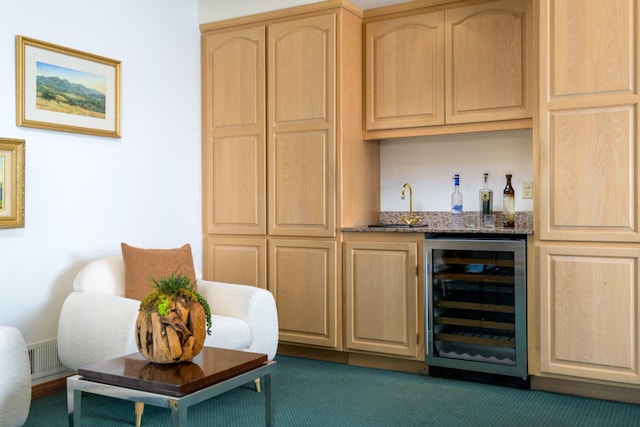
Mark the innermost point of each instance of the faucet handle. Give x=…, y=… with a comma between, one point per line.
x=411, y=219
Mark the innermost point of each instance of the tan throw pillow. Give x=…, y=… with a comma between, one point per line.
x=141, y=266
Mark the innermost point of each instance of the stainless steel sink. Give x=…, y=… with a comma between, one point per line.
x=396, y=225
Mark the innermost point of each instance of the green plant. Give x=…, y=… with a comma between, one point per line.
x=168, y=289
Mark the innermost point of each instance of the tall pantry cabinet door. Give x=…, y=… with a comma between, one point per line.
x=488, y=62
x=588, y=175
x=590, y=320
x=234, y=159
x=301, y=127
x=404, y=67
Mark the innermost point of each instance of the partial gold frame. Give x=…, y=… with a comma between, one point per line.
x=14, y=174
x=71, y=54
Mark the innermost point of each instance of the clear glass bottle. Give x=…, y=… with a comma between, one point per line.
x=486, y=200
x=456, y=204
x=508, y=205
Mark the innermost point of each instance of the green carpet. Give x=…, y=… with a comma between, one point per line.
x=314, y=393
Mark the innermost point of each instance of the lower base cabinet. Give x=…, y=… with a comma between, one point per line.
x=300, y=273
x=382, y=294
x=303, y=280
x=589, y=311
x=240, y=260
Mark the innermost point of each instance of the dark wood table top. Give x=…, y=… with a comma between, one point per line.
x=211, y=366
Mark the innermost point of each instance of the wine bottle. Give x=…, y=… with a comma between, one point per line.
x=508, y=205
x=456, y=204
x=486, y=200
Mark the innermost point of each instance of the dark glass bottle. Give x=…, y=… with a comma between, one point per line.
x=508, y=205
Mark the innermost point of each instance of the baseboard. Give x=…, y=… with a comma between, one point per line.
x=388, y=363
x=355, y=359
x=586, y=389
x=47, y=388
x=313, y=353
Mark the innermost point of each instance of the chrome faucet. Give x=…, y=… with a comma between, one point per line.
x=412, y=219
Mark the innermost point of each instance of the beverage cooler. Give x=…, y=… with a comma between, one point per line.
x=476, y=320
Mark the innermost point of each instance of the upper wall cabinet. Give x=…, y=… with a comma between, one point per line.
x=463, y=65
x=488, y=62
x=405, y=72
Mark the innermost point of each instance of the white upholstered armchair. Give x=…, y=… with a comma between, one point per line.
x=15, y=378
x=97, y=322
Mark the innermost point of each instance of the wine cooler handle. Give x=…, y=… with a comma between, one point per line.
x=427, y=305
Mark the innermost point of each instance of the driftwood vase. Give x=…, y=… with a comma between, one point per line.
x=175, y=337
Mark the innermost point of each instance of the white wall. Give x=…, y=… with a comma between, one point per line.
x=86, y=194
x=219, y=10
x=429, y=163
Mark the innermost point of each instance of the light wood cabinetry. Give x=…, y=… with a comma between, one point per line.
x=382, y=294
x=303, y=279
x=588, y=181
x=405, y=72
x=237, y=259
x=589, y=121
x=589, y=174
x=468, y=64
x=302, y=142
x=488, y=62
x=284, y=162
x=233, y=132
x=589, y=311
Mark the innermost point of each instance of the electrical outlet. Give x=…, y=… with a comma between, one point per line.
x=527, y=190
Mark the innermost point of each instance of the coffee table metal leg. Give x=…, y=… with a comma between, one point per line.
x=178, y=414
x=268, y=400
x=74, y=406
x=138, y=410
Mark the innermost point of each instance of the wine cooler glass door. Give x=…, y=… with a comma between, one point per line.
x=476, y=305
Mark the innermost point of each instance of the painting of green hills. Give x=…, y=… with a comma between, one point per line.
x=70, y=91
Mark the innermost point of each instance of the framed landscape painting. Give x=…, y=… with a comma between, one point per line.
x=65, y=89
x=11, y=183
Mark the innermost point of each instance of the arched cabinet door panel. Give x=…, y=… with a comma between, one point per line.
x=301, y=127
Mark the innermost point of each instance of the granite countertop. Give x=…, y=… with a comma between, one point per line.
x=440, y=222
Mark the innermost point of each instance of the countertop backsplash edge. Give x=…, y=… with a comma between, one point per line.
x=440, y=222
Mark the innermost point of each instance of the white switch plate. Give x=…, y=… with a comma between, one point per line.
x=527, y=190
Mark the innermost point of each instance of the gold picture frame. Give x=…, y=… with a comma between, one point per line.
x=64, y=89
x=11, y=183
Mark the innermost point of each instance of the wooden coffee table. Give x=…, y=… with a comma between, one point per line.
x=175, y=386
